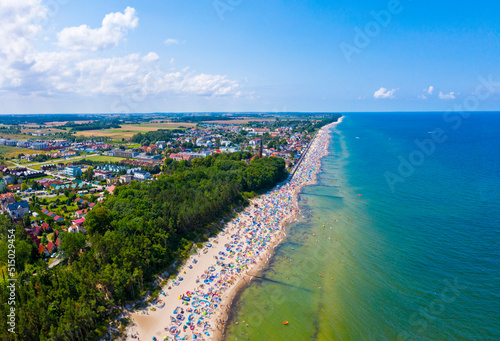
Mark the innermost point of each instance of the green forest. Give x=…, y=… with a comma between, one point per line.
x=134, y=235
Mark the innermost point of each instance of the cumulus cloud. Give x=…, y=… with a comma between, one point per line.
x=171, y=41
x=74, y=67
x=450, y=95
x=114, y=27
x=384, y=93
x=428, y=91
x=20, y=23
x=151, y=57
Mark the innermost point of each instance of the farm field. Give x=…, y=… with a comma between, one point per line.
x=129, y=130
x=20, y=137
x=42, y=130
x=61, y=123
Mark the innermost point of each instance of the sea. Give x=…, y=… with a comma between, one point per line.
x=398, y=240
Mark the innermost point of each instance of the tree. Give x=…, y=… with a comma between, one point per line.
x=89, y=174
x=71, y=244
x=24, y=186
x=98, y=221
x=26, y=220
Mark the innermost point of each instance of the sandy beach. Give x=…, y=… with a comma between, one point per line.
x=195, y=305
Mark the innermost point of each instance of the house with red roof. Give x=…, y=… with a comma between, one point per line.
x=43, y=251
x=51, y=247
x=77, y=229
x=6, y=199
x=37, y=231
x=79, y=222
x=81, y=213
x=58, y=219
x=46, y=228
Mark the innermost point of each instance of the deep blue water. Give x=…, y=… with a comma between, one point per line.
x=411, y=247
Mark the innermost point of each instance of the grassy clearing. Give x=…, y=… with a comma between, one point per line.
x=102, y=158
x=8, y=151
x=105, y=158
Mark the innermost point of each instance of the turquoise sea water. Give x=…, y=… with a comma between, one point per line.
x=415, y=260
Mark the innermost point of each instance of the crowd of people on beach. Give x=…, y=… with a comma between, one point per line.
x=253, y=234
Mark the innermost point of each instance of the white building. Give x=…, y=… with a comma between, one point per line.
x=141, y=175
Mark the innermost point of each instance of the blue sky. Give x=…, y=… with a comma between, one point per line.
x=241, y=55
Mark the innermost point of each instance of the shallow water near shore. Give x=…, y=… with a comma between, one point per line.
x=365, y=262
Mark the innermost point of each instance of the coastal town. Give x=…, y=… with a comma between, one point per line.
x=48, y=186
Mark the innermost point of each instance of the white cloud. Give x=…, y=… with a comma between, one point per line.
x=114, y=27
x=73, y=69
x=451, y=95
x=130, y=74
x=171, y=41
x=151, y=57
x=384, y=93
x=428, y=91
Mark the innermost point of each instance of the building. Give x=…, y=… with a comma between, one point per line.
x=77, y=229
x=73, y=171
x=39, y=145
x=126, y=178
x=6, y=199
x=103, y=175
x=186, y=156
x=24, y=144
x=81, y=213
x=180, y=157
x=141, y=175
x=123, y=153
x=79, y=221
x=12, y=143
x=17, y=209
x=9, y=180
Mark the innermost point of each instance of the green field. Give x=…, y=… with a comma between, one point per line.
x=105, y=158
x=8, y=151
x=102, y=158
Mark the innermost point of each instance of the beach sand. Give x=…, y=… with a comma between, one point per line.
x=243, y=249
